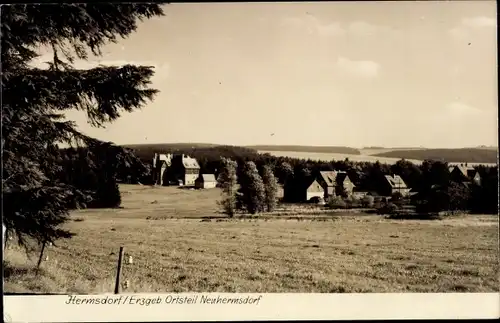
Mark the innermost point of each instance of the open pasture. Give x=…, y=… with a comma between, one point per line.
x=329, y=156
x=174, y=250
x=367, y=155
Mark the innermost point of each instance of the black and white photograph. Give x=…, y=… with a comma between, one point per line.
x=250, y=147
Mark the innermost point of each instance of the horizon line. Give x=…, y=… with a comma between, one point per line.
x=312, y=146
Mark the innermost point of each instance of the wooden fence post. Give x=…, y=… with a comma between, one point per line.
x=118, y=271
x=41, y=255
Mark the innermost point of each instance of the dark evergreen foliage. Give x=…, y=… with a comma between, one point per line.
x=40, y=182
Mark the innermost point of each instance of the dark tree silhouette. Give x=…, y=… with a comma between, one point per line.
x=35, y=198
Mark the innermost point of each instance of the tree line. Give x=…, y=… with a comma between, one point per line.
x=431, y=179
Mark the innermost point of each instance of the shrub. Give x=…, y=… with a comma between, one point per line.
x=352, y=202
x=336, y=202
x=388, y=208
x=368, y=201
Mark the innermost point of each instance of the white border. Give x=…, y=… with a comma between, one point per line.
x=45, y=308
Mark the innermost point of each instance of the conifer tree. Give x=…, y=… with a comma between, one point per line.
x=35, y=199
x=227, y=181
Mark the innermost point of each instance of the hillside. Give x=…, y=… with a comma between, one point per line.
x=308, y=149
x=198, y=151
x=469, y=155
x=170, y=146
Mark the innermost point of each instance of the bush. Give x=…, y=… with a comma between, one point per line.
x=352, y=202
x=336, y=202
x=368, y=201
x=388, y=208
x=316, y=200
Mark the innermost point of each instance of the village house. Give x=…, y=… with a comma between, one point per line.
x=175, y=169
x=393, y=184
x=160, y=164
x=205, y=181
x=335, y=183
x=324, y=185
x=313, y=190
x=462, y=173
x=184, y=171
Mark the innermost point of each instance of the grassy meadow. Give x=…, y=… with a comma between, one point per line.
x=177, y=247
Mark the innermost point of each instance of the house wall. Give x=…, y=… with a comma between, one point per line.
x=477, y=179
x=190, y=176
x=209, y=184
x=162, y=180
x=314, y=190
x=348, y=186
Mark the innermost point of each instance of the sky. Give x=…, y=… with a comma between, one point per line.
x=392, y=74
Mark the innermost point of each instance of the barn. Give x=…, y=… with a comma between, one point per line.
x=205, y=181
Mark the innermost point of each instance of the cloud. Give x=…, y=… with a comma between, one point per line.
x=461, y=109
x=332, y=29
x=479, y=22
x=363, y=69
x=312, y=25
x=468, y=25
x=363, y=28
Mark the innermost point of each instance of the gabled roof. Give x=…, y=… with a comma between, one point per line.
x=315, y=183
x=208, y=177
x=467, y=171
x=395, y=181
x=162, y=159
x=330, y=177
x=189, y=162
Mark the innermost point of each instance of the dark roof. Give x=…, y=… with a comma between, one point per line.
x=467, y=171
x=341, y=177
x=330, y=177
x=395, y=181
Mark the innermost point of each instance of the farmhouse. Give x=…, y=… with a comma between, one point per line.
x=335, y=183
x=314, y=190
x=175, y=169
x=205, y=181
x=184, y=171
x=160, y=164
x=464, y=174
x=393, y=184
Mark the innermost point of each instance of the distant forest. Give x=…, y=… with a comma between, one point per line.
x=309, y=149
x=470, y=155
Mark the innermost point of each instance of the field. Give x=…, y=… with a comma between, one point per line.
x=176, y=249
x=364, y=157
x=367, y=155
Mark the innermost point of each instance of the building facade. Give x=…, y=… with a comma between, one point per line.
x=393, y=184
x=205, y=181
x=335, y=183
x=161, y=162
